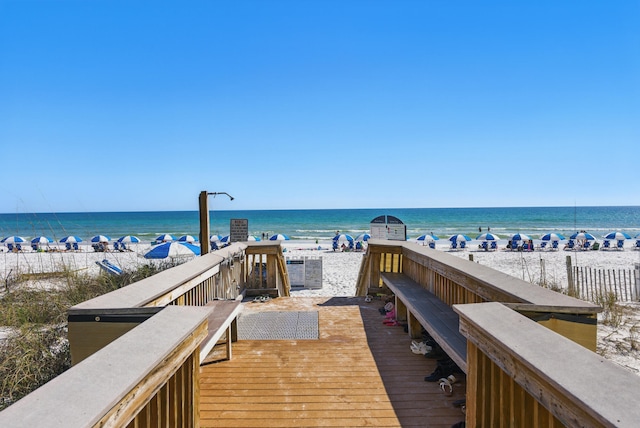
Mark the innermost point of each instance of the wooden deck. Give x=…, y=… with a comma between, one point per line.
x=359, y=373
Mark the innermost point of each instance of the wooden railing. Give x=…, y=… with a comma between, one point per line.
x=530, y=359
x=136, y=351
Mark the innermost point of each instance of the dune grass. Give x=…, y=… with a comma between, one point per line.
x=34, y=308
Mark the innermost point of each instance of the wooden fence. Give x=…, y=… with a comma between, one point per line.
x=594, y=285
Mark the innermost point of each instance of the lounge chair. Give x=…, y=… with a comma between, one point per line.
x=606, y=244
x=637, y=246
x=34, y=247
x=494, y=245
x=75, y=247
x=543, y=245
x=454, y=245
x=10, y=247
x=620, y=244
x=484, y=246
x=432, y=245
x=571, y=245
x=554, y=245
x=586, y=245
x=463, y=244
x=67, y=246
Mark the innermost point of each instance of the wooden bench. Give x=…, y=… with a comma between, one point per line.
x=222, y=319
x=421, y=308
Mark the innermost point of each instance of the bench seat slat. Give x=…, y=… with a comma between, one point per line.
x=438, y=318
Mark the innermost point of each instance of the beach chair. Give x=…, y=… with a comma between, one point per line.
x=571, y=245
x=116, y=246
x=454, y=245
x=586, y=245
x=543, y=245
x=554, y=245
x=67, y=246
x=484, y=246
x=10, y=247
x=123, y=247
x=620, y=244
x=75, y=246
x=637, y=246
x=463, y=244
x=606, y=244
x=494, y=245
x=34, y=247
x=432, y=245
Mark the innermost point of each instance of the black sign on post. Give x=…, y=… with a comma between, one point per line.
x=239, y=230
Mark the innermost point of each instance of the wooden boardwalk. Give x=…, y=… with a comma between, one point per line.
x=359, y=373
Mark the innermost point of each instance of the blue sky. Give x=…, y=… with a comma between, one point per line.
x=140, y=105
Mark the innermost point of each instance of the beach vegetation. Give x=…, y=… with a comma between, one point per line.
x=612, y=312
x=34, y=311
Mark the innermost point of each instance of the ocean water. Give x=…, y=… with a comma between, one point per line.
x=323, y=224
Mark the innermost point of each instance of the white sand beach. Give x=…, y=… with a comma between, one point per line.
x=340, y=271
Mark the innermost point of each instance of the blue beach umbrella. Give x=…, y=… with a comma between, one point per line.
x=215, y=238
x=552, y=237
x=225, y=239
x=129, y=239
x=487, y=237
x=520, y=237
x=459, y=237
x=617, y=236
x=253, y=238
x=71, y=239
x=343, y=237
x=363, y=237
x=279, y=237
x=173, y=250
x=583, y=236
x=100, y=238
x=13, y=240
x=41, y=240
x=187, y=238
x=427, y=237
x=165, y=238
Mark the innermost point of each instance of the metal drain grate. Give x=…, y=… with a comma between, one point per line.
x=278, y=326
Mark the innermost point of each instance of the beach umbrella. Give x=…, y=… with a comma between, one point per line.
x=343, y=237
x=14, y=240
x=552, y=237
x=363, y=237
x=215, y=238
x=617, y=236
x=71, y=239
x=100, y=238
x=426, y=238
x=41, y=240
x=459, y=237
x=279, y=237
x=225, y=239
x=187, y=238
x=253, y=238
x=637, y=236
x=165, y=238
x=583, y=236
x=173, y=249
x=129, y=239
x=487, y=237
x=520, y=237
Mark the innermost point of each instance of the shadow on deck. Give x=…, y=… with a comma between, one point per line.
x=358, y=373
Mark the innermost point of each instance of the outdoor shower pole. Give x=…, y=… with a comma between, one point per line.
x=205, y=245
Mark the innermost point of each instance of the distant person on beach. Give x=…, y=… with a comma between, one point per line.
x=480, y=229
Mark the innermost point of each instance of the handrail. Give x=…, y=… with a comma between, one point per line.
x=576, y=386
x=110, y=387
